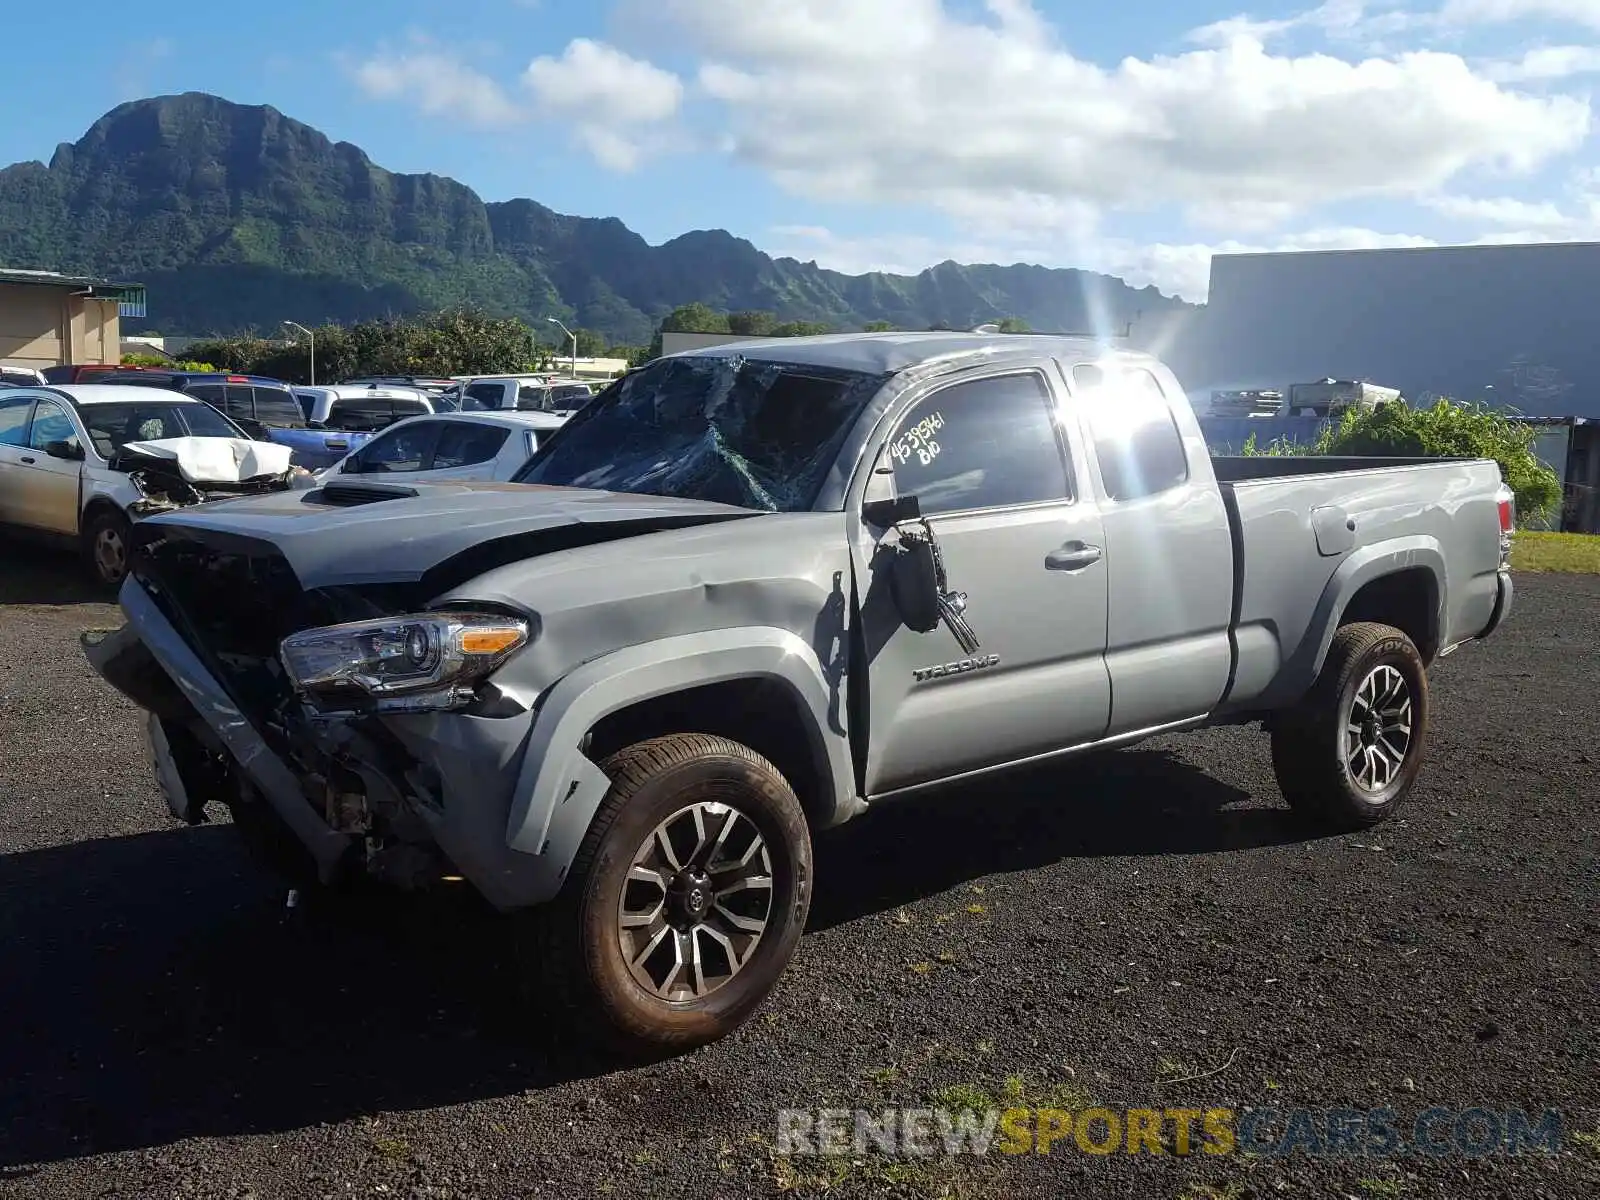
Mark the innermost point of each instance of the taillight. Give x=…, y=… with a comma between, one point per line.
x=1508, y=521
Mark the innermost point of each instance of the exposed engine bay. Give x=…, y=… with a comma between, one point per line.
x=174, y=473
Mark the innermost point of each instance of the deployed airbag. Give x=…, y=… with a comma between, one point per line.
x=216, y=459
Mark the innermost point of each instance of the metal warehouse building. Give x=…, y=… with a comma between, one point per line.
x=48, y=319
x=1514, y=325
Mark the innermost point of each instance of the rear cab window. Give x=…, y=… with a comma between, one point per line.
x=482, y=397
x=1137, y=443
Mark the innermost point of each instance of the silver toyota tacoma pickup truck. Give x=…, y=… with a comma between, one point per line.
x=752, y=591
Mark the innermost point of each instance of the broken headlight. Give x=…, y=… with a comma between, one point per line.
x=421, y=661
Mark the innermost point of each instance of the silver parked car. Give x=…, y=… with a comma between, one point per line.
x=80, y=462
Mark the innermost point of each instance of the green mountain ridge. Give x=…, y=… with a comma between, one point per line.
x=237, y=216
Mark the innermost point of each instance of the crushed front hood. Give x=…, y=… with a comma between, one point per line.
x=399, y=536
x=214, y=459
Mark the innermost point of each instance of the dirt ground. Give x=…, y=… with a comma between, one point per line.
x=1146, y=929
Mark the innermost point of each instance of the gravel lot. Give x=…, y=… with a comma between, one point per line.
x=1090, y=931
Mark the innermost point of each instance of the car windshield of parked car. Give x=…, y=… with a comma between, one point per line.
x=760, y=435
x=113, y=426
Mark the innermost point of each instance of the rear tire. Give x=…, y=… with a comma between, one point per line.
x=725, y=925
x=1348, y=754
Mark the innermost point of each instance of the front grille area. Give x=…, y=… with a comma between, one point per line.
x=232, y=599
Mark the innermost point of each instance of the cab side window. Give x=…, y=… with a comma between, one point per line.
x=465, y=444
x=51, y=424
x=14, y=420
x=986, y=443
x=407, y=448
x=1136, y=439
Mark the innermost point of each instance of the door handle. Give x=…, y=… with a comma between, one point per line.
x=1074, y=556
x=28, y=460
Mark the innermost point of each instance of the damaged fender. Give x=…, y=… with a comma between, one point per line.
x=559, y=789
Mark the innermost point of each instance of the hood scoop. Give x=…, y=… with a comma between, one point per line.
x=345, y=493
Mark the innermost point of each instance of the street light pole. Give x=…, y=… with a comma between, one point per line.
x=574, y=338
x=312, y=339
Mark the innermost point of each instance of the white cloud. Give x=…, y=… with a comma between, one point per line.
x=1486, y=12
x=904, y=102
x=438, y=84
x=610, y=101
x=1547, y=63
x=615, y=101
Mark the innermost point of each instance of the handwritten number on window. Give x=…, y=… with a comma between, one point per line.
x=918, y=441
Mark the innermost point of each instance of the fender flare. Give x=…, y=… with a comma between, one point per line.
x=559, y=789
x=1355, y=572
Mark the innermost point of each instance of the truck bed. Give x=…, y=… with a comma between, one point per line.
x=1308, y=531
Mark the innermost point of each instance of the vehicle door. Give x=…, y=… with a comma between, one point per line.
x=1169, y=549
x=402, y=449
x=996, y=471
x=15, y=409
x=467, y=450
x=51, y=469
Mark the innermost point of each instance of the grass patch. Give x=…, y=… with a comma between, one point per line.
x=1383, y=1188
x=1572, y=553
x=1210, y=1191
x=1015, y=1091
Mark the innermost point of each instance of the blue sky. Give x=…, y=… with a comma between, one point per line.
x=892, y=134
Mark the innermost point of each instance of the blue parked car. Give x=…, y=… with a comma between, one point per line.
x=266, y=409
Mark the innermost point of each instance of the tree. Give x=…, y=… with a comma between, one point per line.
x=877, y=327
x=590, y=343
x=752, y=324
x=1014, y=325
x=1443, y=429
x=695, y=318
x=800, y=329
x=448, y=342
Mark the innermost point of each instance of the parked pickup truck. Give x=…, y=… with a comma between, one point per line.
x=760, y=589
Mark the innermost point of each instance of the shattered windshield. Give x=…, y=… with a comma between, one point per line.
x=758, y=435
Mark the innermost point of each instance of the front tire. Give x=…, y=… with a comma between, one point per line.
x=686, y=900
x=1349, y=753
x=105, y=547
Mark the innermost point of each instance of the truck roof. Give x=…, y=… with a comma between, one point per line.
x=890, y=353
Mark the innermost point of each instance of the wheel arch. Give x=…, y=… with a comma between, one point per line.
x=1401, y=582
x=644, y=691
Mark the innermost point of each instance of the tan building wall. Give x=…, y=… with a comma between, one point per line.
x=47, y=326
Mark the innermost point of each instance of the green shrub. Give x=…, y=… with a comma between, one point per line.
x=1444, y=429
x=170, y=364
